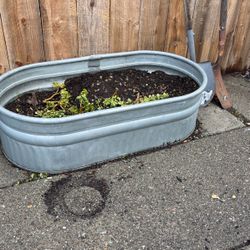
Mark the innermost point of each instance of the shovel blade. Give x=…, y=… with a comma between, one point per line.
x=210, y=88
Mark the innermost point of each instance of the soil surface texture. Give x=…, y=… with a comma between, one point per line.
x=127, y=84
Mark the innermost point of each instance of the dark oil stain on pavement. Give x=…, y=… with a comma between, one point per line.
x=57, y=198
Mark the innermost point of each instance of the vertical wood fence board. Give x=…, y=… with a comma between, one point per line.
x=23, y=33
x=192, y=5
x=211, y=27
x=199, y=20
x=93, y=26
x=148, y=22
x=244, y=53
x=214, y=44
x=59, y=20
x=232, y=20
x=161, y=26
x=153, y=23
x=175, y=41
x=240, y=45
x=124, y=25
x=4, y=61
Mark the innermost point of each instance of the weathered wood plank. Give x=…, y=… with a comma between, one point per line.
x=59, y=19
x=4, y=61
x=124, y=25
x=232, y=20
x=175, y=40
x=93, y=25
x=153, y=23
x=210, y=32
x=192, y=5
x=214, y=39
x=199, y=20
x=240, y=51
x=22, y=29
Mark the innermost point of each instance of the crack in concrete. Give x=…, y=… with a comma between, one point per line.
x=239, y=116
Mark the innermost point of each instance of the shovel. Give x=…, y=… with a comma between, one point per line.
x=206, y=66
x=221, y=91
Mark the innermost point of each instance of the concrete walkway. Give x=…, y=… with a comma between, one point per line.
x=195, y=195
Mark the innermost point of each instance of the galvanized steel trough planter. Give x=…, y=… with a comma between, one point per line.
x=56, y=145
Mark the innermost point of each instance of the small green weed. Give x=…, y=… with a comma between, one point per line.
x=151, y=98
x=33, y=177
x=63, y=106
x=37, y=176
x=85, y=104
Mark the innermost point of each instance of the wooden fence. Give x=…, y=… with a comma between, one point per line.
x=40, y=30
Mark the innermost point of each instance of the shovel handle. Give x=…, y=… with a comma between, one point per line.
x=189, y=31
x=187, y=15
x=223, y=14
x=222, y=32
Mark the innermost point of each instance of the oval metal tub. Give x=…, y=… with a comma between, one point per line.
x=56, y=145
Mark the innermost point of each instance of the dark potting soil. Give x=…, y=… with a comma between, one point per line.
x=127, y=84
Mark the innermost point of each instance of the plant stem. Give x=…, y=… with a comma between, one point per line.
x=51, y=97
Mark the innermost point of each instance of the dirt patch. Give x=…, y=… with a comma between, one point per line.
x=76, y=197
x=127, y=84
